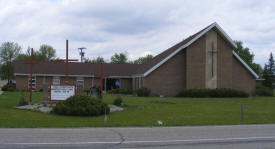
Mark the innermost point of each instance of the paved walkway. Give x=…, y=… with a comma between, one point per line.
x=202, y=137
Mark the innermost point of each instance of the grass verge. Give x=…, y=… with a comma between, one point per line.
x=147, y=111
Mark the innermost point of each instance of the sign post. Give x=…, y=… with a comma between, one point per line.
x=30, y=81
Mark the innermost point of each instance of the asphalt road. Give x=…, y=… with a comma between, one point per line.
x=204, y=137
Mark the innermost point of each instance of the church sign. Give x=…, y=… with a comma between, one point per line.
x=62, y=92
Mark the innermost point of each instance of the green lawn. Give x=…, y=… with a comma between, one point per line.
x=147, y=111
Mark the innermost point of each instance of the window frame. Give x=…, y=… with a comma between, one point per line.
x=33, y=82
x=56, y=78
x=80, y=81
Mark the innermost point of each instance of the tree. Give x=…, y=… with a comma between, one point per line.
x=269, y=72
x=267, y=79
x=248, y=57
x=120, y=58
x=7, y=71
x=26, y=56
x=142, y=60
x=97, y=60
x=8, y=53
x=46, y=52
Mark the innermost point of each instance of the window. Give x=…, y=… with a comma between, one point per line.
x=56, y=80
x=80, y=81
x=33, y=82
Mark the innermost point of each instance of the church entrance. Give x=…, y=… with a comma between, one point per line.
x=109, y=84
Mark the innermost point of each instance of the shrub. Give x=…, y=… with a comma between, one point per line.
x=117, y=101
x=143, y=92
x=22, y=99
x=81, y=105
x=219, y=92
x=263, y=91
x=121, y=91
x=9, y=87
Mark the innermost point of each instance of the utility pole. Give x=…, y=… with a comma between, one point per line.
x=81, y=53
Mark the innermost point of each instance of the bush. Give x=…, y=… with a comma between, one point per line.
x=143, y=92
x=22, y=99
x=117, y=101
x=121, y=91
x=81, y=105
x=9, y=87
x=219, y=92
x=263, y=91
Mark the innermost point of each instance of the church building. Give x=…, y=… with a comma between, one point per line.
x=203, y=60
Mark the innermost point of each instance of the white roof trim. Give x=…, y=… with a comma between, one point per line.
x=260, y=79
x=245, y=64
x=189, y=43
x=119, y=77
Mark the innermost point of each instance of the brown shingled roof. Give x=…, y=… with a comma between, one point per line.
x=109, y=69
x=145, y=67
x=76, y=68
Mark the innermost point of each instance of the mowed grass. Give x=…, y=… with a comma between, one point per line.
x=146, y=112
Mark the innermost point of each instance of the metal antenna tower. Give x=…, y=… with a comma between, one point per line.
x=81, y=53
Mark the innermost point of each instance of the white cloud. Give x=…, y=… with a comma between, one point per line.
x=139, y=27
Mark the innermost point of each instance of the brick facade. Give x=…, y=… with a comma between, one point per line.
x=169, y=78
x=187, y=69
x=195, y=64
x=22, y=83
x=242, y=78
x=224, y=70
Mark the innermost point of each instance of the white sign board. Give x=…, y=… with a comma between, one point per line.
x=62, y=92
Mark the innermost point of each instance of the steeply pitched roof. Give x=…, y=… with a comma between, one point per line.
x=75, y=68
x=126, y=70
x=158, y=60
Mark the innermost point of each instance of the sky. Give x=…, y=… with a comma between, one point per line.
x=138, y=27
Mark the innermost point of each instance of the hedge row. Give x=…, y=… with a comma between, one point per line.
x=141, y=92
x=264, y=91
x=219, y=92
x=9, y=87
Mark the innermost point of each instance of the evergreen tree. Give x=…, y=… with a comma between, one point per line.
x=269, y=72
x=266, y=75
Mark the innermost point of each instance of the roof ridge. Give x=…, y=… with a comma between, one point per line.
x=151, y=63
